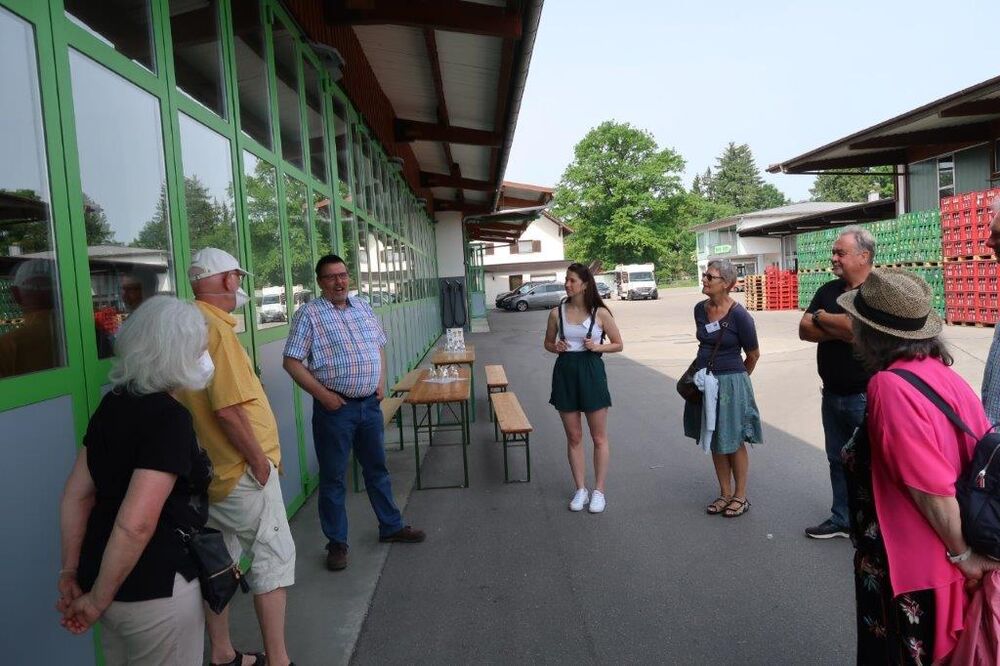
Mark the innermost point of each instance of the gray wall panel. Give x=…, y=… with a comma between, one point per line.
x=278, y=386
x=924, y=186
x=38, y=448
x=312, y=462
x=972, y=170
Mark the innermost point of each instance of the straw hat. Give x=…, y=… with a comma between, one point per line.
x=896, y=302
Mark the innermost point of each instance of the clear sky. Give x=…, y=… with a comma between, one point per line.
x=783, y=77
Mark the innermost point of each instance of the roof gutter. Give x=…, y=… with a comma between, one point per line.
x=532, y=17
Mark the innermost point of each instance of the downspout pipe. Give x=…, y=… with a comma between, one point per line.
x=532, y=17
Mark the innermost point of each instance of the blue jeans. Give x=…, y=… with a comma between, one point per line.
x=357, y=425
x=841, y=415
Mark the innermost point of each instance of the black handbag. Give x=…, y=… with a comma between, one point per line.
x=685, y=385
x=978, y=487
x=218, y=574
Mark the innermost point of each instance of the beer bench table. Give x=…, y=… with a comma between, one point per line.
x=515, y=428
x=466, y=357
x=434, y=395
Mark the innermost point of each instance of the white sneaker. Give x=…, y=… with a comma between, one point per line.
x=597, y=502
x=579, y=500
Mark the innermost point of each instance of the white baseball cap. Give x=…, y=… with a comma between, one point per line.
x=211, y=261
x=34, y=274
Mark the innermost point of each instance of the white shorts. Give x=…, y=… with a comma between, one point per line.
x=253, y=521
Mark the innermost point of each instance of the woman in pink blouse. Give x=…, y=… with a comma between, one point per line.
x=912, y=566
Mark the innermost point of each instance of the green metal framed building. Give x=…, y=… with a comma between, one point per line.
x=135, y=132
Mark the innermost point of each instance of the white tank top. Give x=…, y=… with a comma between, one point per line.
x=577, y=333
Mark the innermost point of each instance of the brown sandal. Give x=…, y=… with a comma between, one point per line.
x=717, y=506
x=742, y=506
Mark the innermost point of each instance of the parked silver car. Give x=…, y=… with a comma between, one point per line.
x=541, y=296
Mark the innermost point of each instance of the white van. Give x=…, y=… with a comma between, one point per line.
x=636, y=281
x=272, y=305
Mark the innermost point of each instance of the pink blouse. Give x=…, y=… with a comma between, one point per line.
x=915, y=446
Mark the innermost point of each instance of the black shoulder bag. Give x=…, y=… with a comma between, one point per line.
x=218, y=574
x=685, y=385
x=977, y=488
x=590, y=329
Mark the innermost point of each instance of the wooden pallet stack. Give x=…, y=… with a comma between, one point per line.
x=755, y=292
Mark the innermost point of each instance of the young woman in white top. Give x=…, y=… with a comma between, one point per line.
x=576, y=331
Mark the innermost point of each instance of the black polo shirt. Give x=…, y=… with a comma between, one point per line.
x=841, y=372
x=130, y=432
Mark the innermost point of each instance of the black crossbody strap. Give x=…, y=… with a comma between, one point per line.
x=590, y=329
x=562, y=334
x=936, y=398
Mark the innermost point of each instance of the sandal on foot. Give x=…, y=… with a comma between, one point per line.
x=737, y=507
x=258, y=659
x=718, y=505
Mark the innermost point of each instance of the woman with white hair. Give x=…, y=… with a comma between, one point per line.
x=727, y=418
x=139, y=476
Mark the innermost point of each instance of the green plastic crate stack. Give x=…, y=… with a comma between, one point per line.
x=934, y=276
x=809, y=283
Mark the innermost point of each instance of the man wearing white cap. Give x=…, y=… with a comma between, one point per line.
x=35, y=344
x=236, y=427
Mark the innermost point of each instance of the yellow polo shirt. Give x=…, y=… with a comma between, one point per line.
x=234, y=383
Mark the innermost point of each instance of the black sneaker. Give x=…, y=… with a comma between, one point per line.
x=827, y=530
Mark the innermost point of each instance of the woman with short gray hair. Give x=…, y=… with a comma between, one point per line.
x=140, y=476
x=726, y=419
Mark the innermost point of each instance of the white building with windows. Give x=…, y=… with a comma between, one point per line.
x=538, y=255
x=751, y=254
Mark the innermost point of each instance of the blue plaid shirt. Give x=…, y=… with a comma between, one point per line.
x=991, y=380
x=339, y=345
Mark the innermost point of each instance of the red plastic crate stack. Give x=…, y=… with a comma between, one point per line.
x=965, y=225
x=781, y=289
x=970, y=272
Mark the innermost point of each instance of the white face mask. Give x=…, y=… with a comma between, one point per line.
x=206, y=369
x=242, y=298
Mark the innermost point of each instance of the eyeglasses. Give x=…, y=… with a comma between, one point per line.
x=710, y=277
x=335, y=276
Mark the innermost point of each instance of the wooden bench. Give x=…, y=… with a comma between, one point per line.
x=496, y=382
x=390, y=410
x=515, y=428
x=405, y=384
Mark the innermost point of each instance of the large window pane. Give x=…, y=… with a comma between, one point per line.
x=340, y=129
x=124, y=194
x=209, y=202
x=287, y=73
x=316, y=127
x=365, y=267
x=324, y=224
x=265, y=241
x=251, y=72
x=124, y=25
x=362, y=164
x=299, y=242
x=31, y=328
x=194, y=29
x=348, y=229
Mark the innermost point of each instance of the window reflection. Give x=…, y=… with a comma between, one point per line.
x=124, y=25
x=31, y=330
x=287, y=79
x=209, y=202
x=364, y=265
x=251, y=72
x=265, y=241
x=194, y=31
x=324, y=225
x=299, y=242
x=315, y=125
x=361, y=173
x=340, y=129
x=125, y=209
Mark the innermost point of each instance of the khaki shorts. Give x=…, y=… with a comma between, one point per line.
x=253, y=521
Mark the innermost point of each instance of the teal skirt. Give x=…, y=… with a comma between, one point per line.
x=579, y=383
x=738, y=419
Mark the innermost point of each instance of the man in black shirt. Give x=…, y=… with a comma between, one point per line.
x=844, y=379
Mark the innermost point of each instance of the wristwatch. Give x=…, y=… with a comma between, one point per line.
x=961, y=557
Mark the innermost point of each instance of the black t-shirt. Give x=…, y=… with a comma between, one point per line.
x=841, y=372
x=130, y=432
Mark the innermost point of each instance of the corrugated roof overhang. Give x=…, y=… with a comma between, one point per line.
x=504, y=226
x=961, y=120
x=439, y=83
x=868, y=211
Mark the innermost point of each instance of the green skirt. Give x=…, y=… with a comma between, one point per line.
x=579, y=383
x=737, y=417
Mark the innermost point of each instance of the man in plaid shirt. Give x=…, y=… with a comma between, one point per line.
x=335, y=352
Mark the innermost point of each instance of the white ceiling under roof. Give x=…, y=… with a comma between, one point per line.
x=474, y=160
x=430, y=156
x=398, y=56
x=470, y=67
